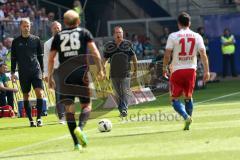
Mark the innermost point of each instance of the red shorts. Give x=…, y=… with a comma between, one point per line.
x=182, y=81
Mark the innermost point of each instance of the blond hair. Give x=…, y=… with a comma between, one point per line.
x=71, y=17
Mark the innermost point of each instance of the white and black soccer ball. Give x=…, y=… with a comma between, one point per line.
x=104, y=125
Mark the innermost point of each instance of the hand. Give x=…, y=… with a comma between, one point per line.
x=101, y=75
x=134, y=75
x=165, y=76
x=15, y=90
x=14, y=78
x=51, y=83
x=45, y=78
x=206, y=76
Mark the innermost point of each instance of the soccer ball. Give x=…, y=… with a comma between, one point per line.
x=104, y=125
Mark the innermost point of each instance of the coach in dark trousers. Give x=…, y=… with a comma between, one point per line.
x=120, y=52
x=27, y=54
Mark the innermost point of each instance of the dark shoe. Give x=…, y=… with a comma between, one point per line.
x=188, y=122
x=32, y=124
x=124, y=113
x=39, y=123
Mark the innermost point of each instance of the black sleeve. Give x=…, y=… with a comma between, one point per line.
x=88, y=36
x=13, y=57
x=39, y=53
x=55, y=43
x=132, y=52
x=106, y=54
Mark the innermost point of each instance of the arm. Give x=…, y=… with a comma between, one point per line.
x=51, y=61
x=45, y=59
x=166, y=60
x=4, y=87
x=134, y=59
x=96, y=55
x=228, y=43
x=168, y=54
x=13, y=58
x=105, y=61
x=135, y=66
x=40, y=54
x=204, y=60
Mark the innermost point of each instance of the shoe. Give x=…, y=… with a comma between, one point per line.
x=188, y=122
x=124, y=113
x=62, y=121
x=32, y=124
x=39, y=123
x=78, y=147
x=81, y=136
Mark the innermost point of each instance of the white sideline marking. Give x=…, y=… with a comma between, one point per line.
x=32, y=145
x=217, y=98
x=38, y=144
x=67, y=135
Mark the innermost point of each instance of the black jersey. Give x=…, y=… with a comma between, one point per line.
x=27, y=54
x=120, y=57
x=71, y=43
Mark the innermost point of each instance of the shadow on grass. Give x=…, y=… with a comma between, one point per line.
x=22, y=156
x=27, y=126
x=137, y=134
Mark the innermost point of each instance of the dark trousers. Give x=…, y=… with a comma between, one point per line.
x=122, y=91
x=228, y=59
x=60, y=108
x=9, y=96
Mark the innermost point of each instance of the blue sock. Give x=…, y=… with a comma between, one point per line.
x=179, y=107
x=189, y=106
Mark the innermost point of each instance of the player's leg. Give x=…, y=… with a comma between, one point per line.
x=70, y=117
x=28, y=108
x=125, y=93
x=188, y=91
x=38, y=88
x=10, y=99
x=26, y=88
x=3, y=98
x=179, y=107
x=225, y=65
x=86, y=107
x=78, y=78
x=60, y=109
x=189, y=105
x=233, y=69
x=176, y=89
x=116, y=87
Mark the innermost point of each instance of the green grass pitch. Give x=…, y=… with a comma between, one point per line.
x=214, y=134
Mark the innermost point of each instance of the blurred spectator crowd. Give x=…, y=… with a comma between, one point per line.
x=11, y=12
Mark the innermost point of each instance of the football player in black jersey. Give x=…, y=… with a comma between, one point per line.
x=70, y=79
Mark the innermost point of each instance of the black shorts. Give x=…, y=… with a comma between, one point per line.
x=26, y=81
x=78, y=78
